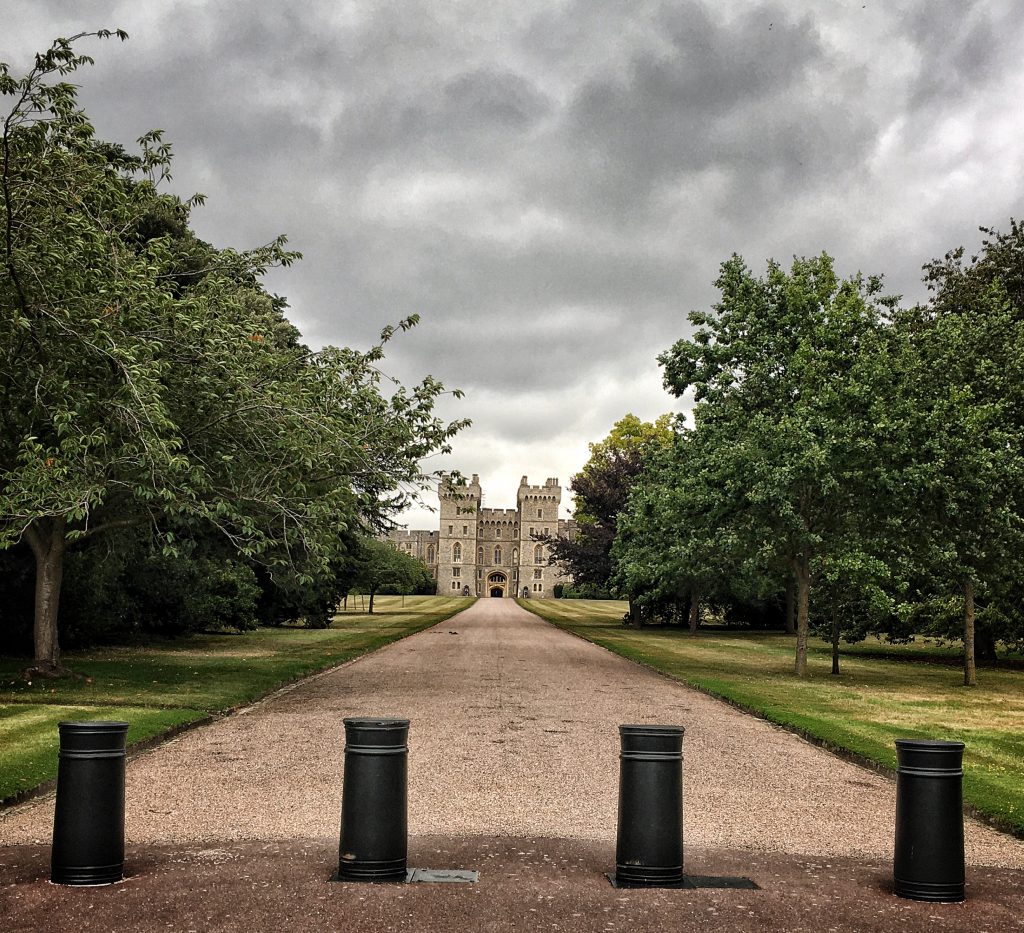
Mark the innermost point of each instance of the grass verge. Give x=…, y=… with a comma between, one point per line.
x=160, y=687
x=878, y=697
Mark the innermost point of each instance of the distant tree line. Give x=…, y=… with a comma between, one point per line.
x=851, y=467
x=172, y=456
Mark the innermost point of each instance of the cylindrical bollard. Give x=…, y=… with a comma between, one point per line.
x=374, y=801
x=88, y=821
x=929, y=858
x=649, y=847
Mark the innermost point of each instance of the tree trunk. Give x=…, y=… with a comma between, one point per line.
x=970, y=671
x=802, y=573
x=634, y=615
x=790, y=607
x=48, y=539
x=694, y=610
x=835, y=640
x=370, y=612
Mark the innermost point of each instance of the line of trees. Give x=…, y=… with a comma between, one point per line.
x=852, y=466
x=160, y=413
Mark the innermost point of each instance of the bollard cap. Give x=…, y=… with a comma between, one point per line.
x=930, y=756
x=661, y=741
x=363, y=731
x=92, y=735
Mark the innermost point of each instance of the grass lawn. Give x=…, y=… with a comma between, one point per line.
x=161, y=685
x=883, y=693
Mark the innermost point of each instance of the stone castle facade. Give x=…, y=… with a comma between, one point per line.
x=491, y=552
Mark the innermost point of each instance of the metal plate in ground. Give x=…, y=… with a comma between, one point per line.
x=442, y=876
x=691, y=882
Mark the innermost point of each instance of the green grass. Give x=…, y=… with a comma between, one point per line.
x=160, y=686
x=883, y=693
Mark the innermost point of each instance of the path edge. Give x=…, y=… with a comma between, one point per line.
x=868, y=764
x=140, y=748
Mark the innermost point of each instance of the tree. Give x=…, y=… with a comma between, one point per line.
x=600, y=491
x=787, y=371
x=968, y=388
x=148, y=379
x=380, y=564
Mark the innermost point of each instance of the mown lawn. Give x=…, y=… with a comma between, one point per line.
x=162, y=685
x=883, y=693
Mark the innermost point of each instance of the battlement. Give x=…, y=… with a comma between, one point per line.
x=549, y=492
x=499, y=515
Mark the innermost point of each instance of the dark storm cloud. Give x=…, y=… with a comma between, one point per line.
x=961, y=46
x=553, y=186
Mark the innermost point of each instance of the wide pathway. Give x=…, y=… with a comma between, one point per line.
x=513, y=733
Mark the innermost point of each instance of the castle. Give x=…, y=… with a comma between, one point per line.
x=491, y=552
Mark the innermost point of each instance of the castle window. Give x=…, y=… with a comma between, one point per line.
x=540, y=513
x=537, y=575
x=497, y=555
x=479, y=555
x=531, y=531
x=465, y=529
x=479, y=574
x=497, y=533
x=454, y=584
x=457, y=553
x=430, y=554
x=545, y=531
x=538, y=554
x=456, y=571
x=451, y=528
x=515, y=555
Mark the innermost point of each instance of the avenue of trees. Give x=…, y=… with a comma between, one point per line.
x=852, y=466
x=169, y=446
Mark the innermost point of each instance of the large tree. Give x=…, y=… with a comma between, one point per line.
x=600, y=491
x=967, y=386
x=787, y=372
x=147, y=378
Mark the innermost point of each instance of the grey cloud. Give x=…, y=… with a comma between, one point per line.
x=553, y=186
x=962, y=47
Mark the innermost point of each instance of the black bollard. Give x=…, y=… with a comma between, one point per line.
x=649, y=847
x=929, y=858
x=88, y=821
x=374, y=801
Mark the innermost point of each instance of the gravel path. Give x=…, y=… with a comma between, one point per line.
x=514, y=733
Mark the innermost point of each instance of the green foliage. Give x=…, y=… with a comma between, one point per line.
x=865, y=457
x=148, y=378
x=380, y=567
x=600, y=491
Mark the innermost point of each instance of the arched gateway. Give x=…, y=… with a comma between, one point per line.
x=497, y=583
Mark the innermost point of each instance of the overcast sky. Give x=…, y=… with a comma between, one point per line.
x=553, y=185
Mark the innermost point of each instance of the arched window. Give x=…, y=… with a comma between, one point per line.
x=479, y=555
x=497, y=532
x=515, y=555
x=430, y=554
x=497, y=554
x=457, y=553
x=538, y=554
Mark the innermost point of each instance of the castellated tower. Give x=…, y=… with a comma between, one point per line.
x=538, y=515
x=456, y=558
x=491, y=552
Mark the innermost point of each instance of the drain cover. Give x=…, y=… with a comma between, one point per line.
x=442, y=875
